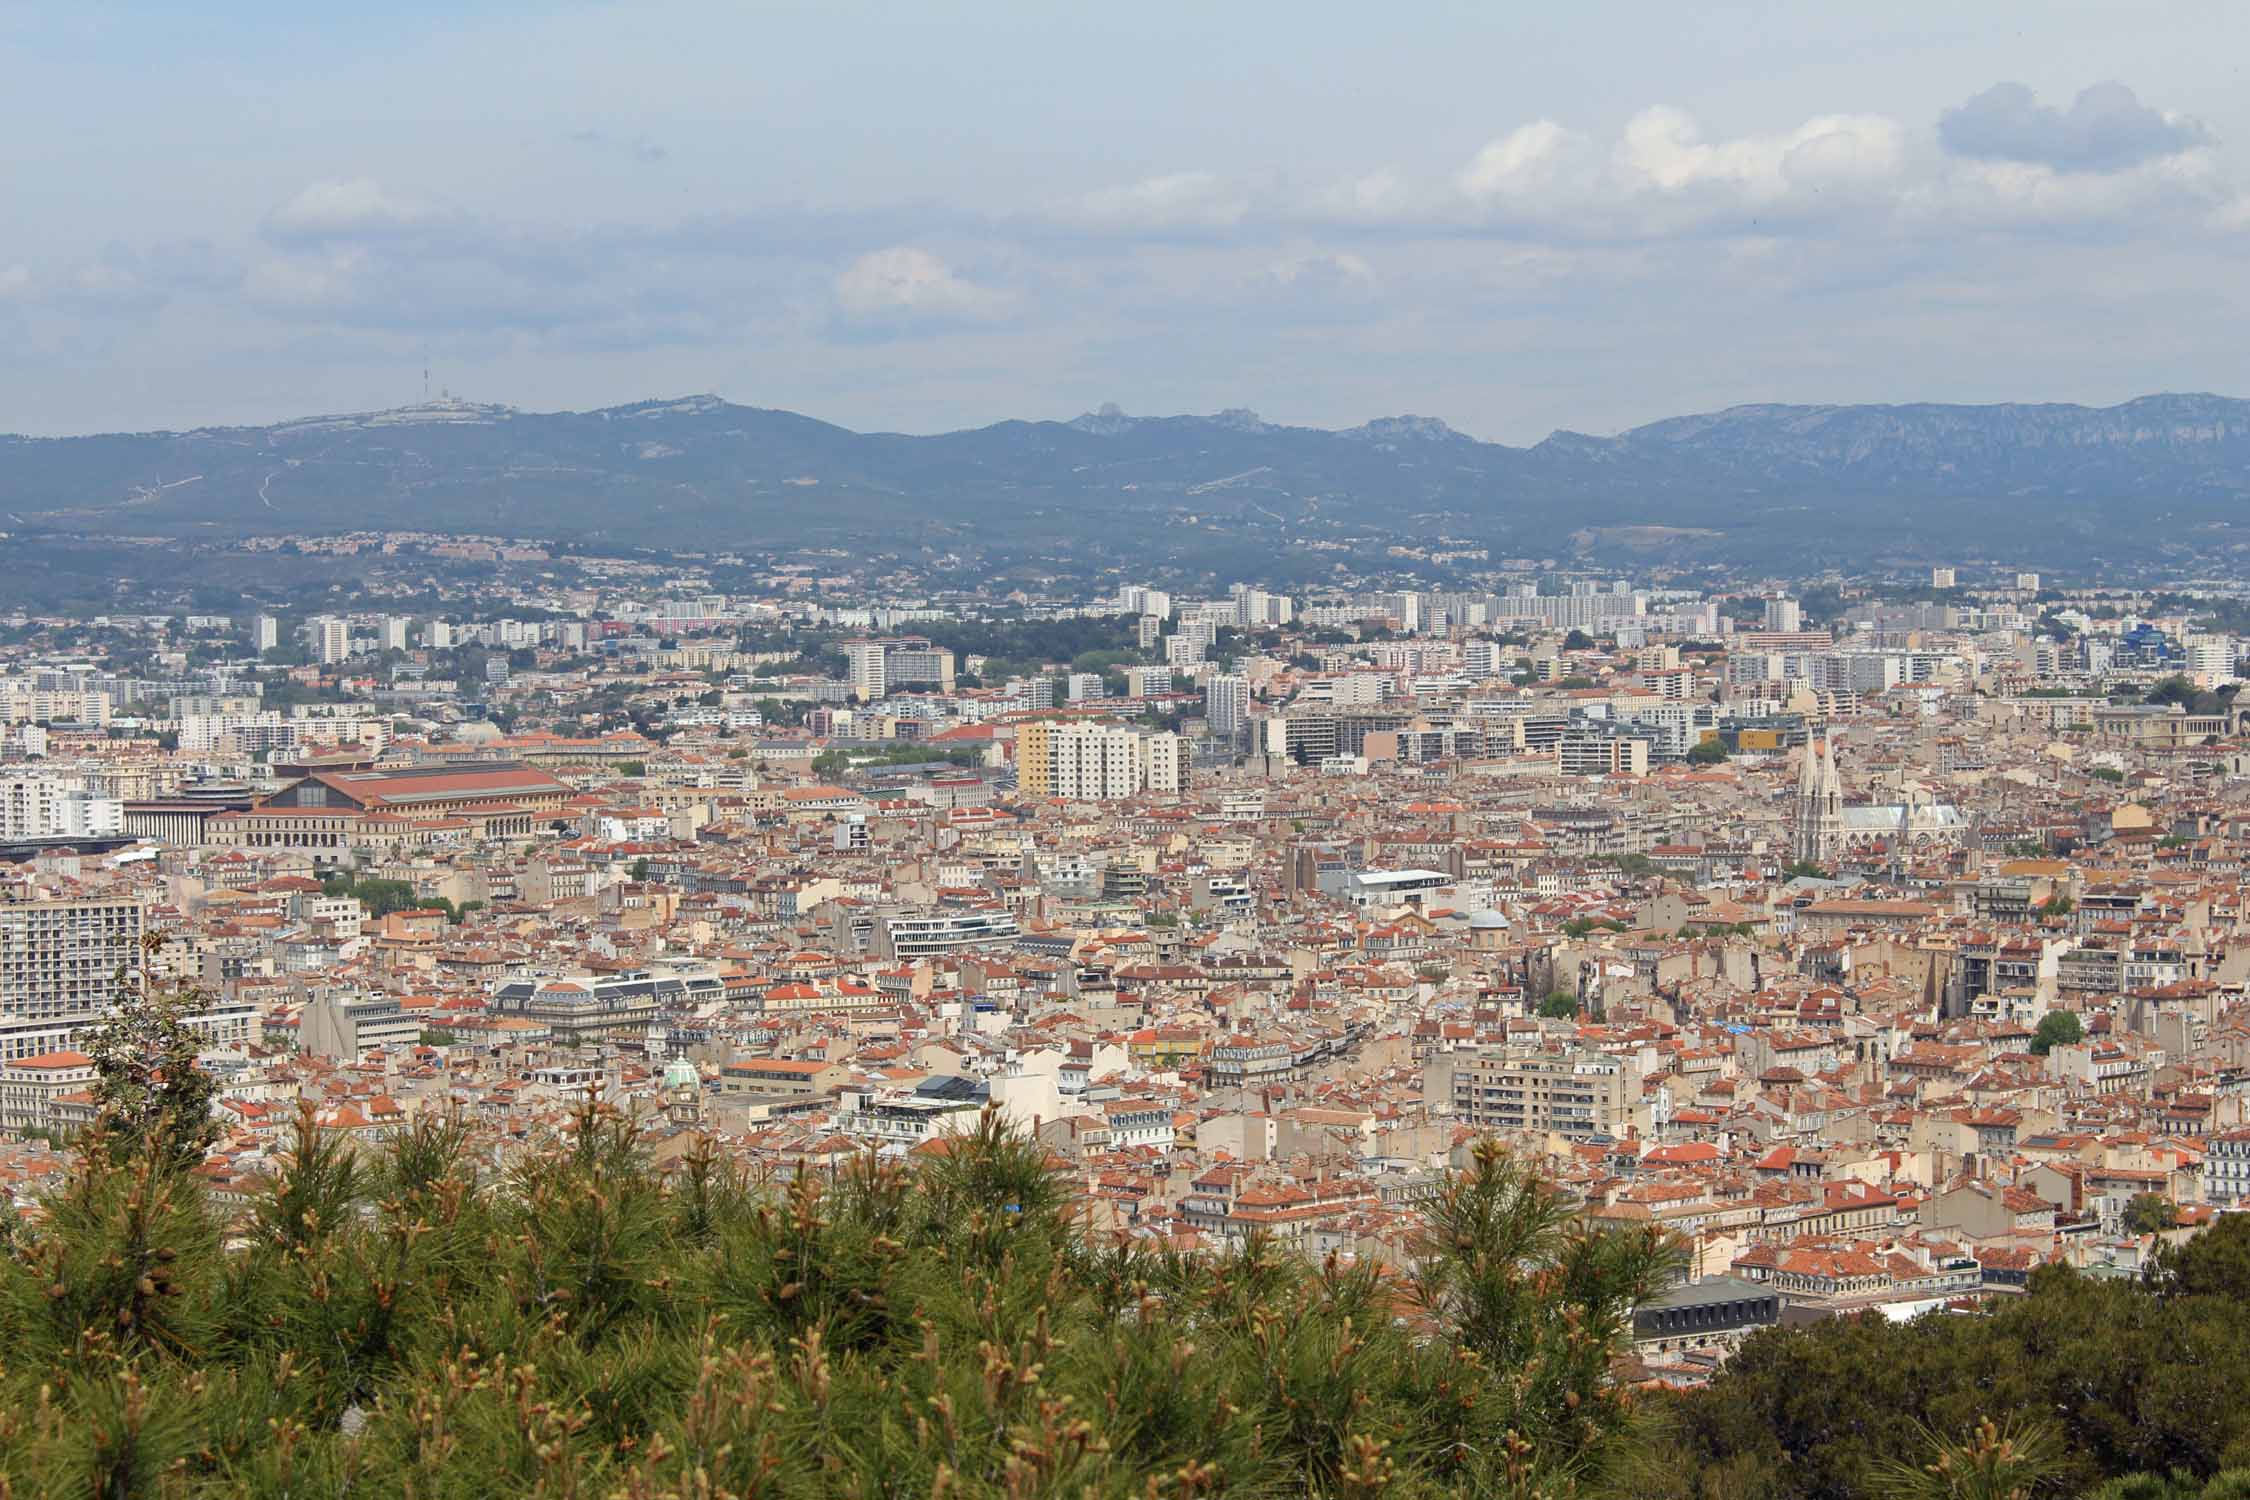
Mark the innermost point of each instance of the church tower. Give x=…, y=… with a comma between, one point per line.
x=1820, y=805
x=1903, y=838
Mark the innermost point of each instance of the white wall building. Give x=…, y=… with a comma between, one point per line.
x=39, y=806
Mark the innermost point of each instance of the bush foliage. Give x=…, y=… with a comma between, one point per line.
x=591, y=1321
x=408, y=1323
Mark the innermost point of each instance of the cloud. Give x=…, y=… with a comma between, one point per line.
x=1525, y=160
x=1316, y=289
x=1551, y=235
x=1376, y=198
x=904, y=283
x=354, y=209
x=2105, y=129
x=1663, y=149
x=304, y=283
x=1322, y=272
x=1179, y=200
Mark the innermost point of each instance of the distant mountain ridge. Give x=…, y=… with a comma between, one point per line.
x=699, y=470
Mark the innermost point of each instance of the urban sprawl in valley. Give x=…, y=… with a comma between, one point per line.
x=1883, y=939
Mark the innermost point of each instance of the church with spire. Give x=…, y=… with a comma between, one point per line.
x=1828, y=829
x=1820, y=805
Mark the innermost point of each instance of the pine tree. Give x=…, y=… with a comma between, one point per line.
x=149, y=1093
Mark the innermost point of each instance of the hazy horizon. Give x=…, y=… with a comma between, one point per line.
x=436, y=396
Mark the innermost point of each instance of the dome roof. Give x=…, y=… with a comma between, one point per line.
x=1488, y=921
x=681, y=1074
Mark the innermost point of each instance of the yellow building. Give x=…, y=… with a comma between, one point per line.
x=1035, y=758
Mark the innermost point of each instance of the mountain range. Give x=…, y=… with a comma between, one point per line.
x=2160, y=473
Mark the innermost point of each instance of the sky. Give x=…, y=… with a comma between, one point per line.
x=916, y=217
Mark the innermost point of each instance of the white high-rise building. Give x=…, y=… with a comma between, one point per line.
x=1256, y=607
x=2210, y=659
x=1098, y=762
x=1784, y=614
x=1164, y=761
x=1138, y=599
x=67, y=957
x=247, y=729
x=394, y=632
x=331, y=638
x=870, y=681
x=1145, y=682
x=41, y=806
x=265, y=633
x=878, y=666
x=1226, y=704
x=438, y=635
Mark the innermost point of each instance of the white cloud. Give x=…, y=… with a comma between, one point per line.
x=1179, y=200
x=1523, y=161
x=1322, y=271
x=1377, y=198
x=14, y=280
x=304, y=283
x=905, y=281
x=2164, y=196
x=1663, y=149
x=346, y=209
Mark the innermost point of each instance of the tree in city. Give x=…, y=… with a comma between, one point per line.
x=150, y=1097
x=2057, y=1028
x=2150, y=1213
x=1561, y=1005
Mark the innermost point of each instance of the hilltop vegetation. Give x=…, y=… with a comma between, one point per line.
x=2117, y=1377
x=591, y=1325
x=591, y=1321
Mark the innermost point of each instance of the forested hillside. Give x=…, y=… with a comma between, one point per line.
x=2041, y=482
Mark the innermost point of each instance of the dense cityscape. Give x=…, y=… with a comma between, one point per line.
x=1881, y=941
x=1178, y=752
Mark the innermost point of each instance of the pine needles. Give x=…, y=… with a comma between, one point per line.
x=586, y=1325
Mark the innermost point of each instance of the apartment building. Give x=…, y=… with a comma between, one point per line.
x=23, y=704
x=1580, y=1095
x=1098, y=762
x=36, y=805
x=68, y=957
x=351, y=1026
x=904, y=937
x=906, y=661
x=1226, y=704
x=30, y=1086
x=331, y=638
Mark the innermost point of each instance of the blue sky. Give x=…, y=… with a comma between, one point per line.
x=1513, y=217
